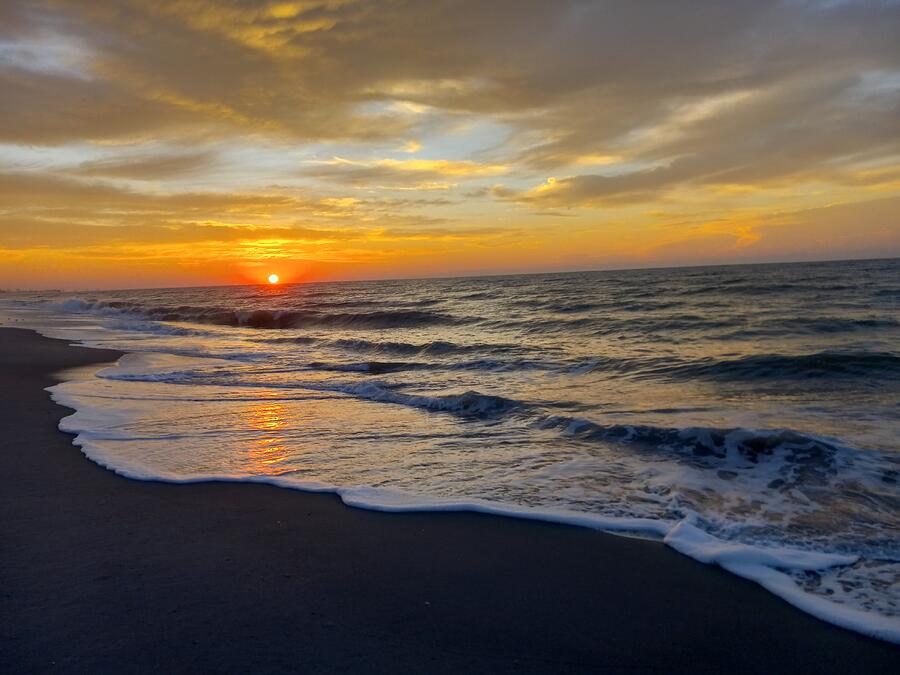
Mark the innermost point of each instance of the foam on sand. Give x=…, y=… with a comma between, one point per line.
x=766, y=565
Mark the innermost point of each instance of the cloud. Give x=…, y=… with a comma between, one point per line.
x=26, y=233
x=577, y=72
x=146, y=168
x=420, y=174
x=866, y=229
x=48, y=109
x=826, y=131
x=646, y=81
x=61, y=200
x=71, y=197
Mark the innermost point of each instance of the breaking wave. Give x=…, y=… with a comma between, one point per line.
x=265, y=318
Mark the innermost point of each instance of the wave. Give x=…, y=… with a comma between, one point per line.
x=774, y=367
x=620, y=366
x=788, y=367
x=659, y=328
x=539, y=326
x=302, y=319
x=887, y=292
x=556, y=305
x=765, y=367
x=299, y=340
x=263, y=318
x=484, y=365
x=757, y=484
x=467, y=404
x=837, y=325
x=155, y=327
x=371, y=367
x=777, y=568
x=809, y=326
x=436, y=348
x=137, y=367
x=740, y=287
x=744, y=445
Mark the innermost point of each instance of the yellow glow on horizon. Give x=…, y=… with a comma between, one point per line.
x=273, y=279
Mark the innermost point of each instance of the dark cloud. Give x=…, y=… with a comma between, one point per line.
x=146, y=168
x=48, y=108
x=581, y=74
x=808, y=131
x=92, y=198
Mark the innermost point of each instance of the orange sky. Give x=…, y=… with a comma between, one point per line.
x=192, y=142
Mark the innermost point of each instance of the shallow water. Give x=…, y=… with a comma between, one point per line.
x=756, y=407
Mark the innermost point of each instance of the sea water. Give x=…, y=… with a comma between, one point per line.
x=747, y=416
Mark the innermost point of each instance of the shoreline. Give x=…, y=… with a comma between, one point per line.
x=102, y=573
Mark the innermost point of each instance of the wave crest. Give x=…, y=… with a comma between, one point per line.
x=783, y=366
x=263, y=318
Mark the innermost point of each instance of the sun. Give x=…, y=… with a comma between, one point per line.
x=273, y=279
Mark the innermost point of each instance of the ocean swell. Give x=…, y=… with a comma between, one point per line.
x=758, y=433
x=791, y=367
x=264, y=318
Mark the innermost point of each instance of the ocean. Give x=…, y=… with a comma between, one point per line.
x=746, y=415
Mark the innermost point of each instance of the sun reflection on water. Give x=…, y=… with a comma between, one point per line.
x=268, y=449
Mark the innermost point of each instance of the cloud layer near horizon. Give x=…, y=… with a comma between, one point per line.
x=346, y=138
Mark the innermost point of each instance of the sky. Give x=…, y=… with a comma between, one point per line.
x=148, y=143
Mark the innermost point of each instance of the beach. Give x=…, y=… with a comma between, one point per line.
x=100, y=573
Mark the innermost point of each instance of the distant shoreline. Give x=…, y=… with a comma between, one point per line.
x=104, y=574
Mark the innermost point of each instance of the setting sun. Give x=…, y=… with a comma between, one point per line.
x=273, y=278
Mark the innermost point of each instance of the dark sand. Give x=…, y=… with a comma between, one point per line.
x=103, y=574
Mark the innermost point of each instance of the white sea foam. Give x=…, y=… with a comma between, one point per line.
x=762, y=564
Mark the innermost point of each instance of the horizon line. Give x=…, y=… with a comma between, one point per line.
x=461, y=276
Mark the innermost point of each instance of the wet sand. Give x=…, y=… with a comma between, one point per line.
x=99, y=573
